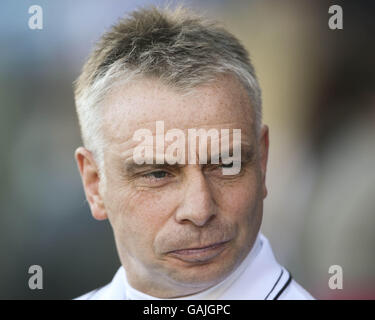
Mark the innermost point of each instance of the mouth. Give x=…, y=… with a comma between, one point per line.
x=199, y=255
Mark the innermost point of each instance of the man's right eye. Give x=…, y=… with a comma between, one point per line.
x=157, y=178
x=156, y=175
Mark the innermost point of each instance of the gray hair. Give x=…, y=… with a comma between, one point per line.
x=177, y=47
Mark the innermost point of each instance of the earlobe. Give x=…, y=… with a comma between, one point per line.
x=98, y=210
x=90, y=179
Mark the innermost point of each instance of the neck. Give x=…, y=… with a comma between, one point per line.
x=165, y=288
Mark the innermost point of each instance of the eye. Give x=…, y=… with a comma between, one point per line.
x=156, y=175
x=229, y=165
x=217, y=170
x=219, y=166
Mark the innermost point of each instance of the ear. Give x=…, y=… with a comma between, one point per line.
x=263, y=149
x=90, y=179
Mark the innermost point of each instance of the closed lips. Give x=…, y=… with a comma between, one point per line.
x=200, y=249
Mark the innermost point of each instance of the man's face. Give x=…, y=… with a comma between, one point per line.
x=180, y=229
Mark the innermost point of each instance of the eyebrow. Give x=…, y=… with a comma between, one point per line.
x=131, y=167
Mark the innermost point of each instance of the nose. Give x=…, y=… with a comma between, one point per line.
x=198, y=205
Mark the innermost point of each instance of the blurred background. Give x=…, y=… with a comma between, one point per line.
x=319, y=102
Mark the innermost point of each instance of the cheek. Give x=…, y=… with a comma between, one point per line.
x=241, y=205
x=239, y=198
x=138, y=215
x=150, y=209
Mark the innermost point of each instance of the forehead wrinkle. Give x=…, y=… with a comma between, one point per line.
x=247, y=151
x=121, y=111
x=125, y=149
x=226, y=90
x=151, y=125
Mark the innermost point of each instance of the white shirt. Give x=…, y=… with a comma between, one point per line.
x=258, y=277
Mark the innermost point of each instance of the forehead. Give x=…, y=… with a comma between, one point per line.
x=223, y=103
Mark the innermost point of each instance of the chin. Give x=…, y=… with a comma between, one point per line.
x=202, y=275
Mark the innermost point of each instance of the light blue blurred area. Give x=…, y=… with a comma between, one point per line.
x=319, y=102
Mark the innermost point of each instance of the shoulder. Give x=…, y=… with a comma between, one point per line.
x=96, y=294
x=277, y=278
x=115, y=290
x=294, y=291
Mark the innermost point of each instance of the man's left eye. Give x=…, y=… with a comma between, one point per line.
x=229, y=165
